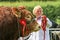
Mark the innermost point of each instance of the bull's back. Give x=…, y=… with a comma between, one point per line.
x=8, y=24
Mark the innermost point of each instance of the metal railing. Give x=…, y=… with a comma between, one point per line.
x=54, y=33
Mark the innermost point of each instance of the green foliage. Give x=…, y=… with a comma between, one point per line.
x=28, y=0
x=50, y=11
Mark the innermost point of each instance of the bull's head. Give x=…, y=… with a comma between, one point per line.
x=28, y=18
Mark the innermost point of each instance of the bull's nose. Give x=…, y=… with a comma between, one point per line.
x=39, y=27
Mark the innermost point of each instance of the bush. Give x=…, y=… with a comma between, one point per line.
x=50, y=11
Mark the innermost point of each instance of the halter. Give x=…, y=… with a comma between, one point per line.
x=23, y=22
x=24, y=27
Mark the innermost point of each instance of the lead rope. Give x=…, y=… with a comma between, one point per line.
x=22, y=21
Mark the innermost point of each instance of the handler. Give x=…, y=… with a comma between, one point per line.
x=44, y=22
x=43, y=33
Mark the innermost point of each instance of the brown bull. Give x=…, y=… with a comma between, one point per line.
x=9, y=23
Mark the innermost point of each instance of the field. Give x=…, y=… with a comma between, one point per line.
x=30, y=5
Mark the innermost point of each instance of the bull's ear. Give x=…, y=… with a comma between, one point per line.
x=14, y=11
x=21, y=7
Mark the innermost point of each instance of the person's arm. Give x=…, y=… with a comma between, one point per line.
x=49, y=23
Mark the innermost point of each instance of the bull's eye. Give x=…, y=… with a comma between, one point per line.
x=28, y=17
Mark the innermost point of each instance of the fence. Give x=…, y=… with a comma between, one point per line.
x=54, y=33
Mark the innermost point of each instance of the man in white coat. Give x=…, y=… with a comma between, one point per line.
x=39, y=35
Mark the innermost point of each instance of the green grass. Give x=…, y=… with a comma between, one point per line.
x=31, y=3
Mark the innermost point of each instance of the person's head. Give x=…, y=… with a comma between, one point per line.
x=37, y=11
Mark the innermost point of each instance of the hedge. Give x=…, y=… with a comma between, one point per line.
x=28, y=0
x=50, y=11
